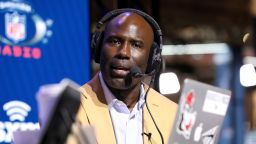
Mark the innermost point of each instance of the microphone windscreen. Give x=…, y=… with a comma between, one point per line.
x=136, y=72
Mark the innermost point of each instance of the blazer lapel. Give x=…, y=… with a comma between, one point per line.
x=149, y=126
x=97, y=111
x=163, y=112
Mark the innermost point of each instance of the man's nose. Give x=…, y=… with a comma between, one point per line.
x=124, y=51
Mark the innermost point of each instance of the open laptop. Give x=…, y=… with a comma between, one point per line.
x=200, y=115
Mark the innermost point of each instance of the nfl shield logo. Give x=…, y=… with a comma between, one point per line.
x=15, y=26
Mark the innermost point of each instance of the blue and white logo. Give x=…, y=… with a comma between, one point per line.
x=15, y=26
x=20, y=18
x=17, y=111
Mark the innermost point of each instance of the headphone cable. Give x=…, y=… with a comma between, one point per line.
x=150, y=84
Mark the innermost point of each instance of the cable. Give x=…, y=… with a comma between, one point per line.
x=150, y=84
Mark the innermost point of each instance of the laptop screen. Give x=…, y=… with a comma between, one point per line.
x=200, y=115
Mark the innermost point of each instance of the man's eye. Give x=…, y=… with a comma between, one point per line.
x=115, y=41
x=136, y=45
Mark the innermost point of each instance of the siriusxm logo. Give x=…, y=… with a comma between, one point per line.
x=17, y=111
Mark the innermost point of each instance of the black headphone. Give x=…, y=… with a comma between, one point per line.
x=154, y=60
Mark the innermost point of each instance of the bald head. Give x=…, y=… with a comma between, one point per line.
x=133, y=21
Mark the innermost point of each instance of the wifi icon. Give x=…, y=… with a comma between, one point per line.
x=17, y=110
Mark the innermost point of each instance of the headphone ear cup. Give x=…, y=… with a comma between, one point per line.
x=154, y=60
x=96, y=45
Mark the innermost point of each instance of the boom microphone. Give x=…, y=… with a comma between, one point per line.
x=136, y=73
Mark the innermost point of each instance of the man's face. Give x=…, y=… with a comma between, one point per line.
x=126, y=44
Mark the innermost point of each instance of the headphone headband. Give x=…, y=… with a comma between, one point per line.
x=149, y=19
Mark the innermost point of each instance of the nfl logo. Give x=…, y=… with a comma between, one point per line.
x=15, y=26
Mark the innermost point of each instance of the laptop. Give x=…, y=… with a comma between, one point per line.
x=200, y=115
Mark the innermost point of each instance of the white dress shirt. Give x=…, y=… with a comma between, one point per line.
x=127, y=125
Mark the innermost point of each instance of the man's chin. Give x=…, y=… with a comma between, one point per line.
x=119, y=83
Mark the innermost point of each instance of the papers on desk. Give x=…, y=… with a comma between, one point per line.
x=26, y=137
x=48, y=97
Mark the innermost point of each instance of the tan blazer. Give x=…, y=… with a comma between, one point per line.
x=94, y=111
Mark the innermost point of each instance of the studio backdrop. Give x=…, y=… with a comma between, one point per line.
x=41, y=42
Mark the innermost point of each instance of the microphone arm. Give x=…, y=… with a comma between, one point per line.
x=136, y=73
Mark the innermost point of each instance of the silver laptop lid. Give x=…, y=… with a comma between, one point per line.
x=200, y=115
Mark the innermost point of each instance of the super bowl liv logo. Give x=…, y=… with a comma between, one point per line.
x=17, y=111
x=22, y=29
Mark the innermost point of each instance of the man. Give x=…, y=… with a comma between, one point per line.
x=114, y=100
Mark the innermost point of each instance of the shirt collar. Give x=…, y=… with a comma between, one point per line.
x=111, y=99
